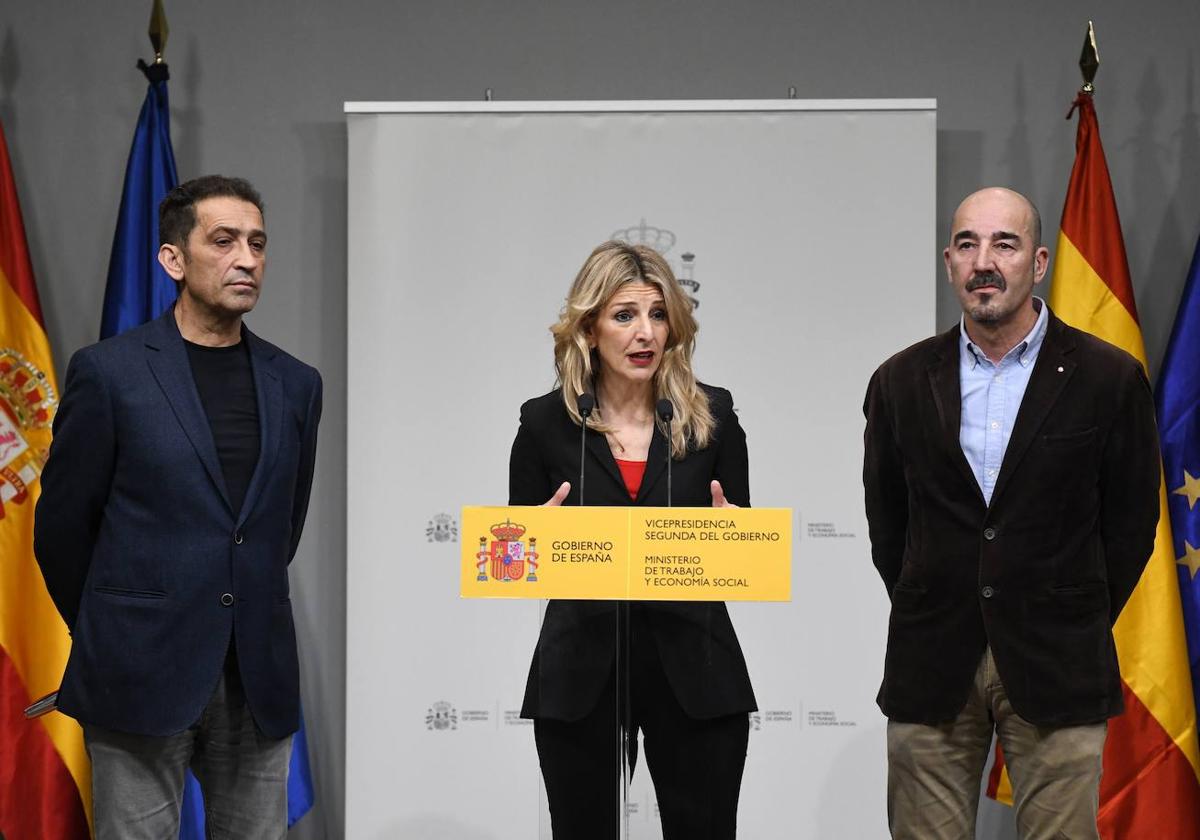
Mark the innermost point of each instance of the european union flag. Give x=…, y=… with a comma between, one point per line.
x=300, y=784
x=138, y=289
x=1178, y=401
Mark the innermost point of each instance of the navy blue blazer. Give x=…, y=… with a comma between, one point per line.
x=151, y=569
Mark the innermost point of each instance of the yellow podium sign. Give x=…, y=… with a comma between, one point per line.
x=627, y=553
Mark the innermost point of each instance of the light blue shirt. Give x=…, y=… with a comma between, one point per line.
x=991, y=398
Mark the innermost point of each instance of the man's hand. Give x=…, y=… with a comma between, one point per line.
x=561, y=493
x=718, y=495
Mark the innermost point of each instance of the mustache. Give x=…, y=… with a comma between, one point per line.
x=988, y=278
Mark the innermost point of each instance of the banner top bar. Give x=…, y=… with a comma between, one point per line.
x=637, y=106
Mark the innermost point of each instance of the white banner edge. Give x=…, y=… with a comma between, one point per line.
x=639, y=106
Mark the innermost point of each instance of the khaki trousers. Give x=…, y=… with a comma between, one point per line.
x=934, y=771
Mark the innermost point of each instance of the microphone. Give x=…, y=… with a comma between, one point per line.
x=585, y=402
x=666, y=413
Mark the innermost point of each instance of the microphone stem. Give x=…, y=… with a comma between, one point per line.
x=582, y=442
x=666, y=413
x=668, y=463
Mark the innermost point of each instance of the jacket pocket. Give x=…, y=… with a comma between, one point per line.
x=1079, y=601
x=1079, y=588
x=906, y=595
x=124, y=592
x=1069, y=440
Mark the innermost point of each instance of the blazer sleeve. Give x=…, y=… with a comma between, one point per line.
x=884, y=484
x=1130, y=475
x=732, y=467
x=308, y=462
x=75, y=484
x=528, y=479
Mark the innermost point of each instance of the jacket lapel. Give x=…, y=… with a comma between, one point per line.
x=656, y=460
x=169, y=364
x=268, y=388
x=597, y=445
x=1051, y=373
x=656, y=465
x=947, y=396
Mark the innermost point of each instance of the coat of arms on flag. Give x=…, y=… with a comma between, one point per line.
x=508, y=557
x=27, y=402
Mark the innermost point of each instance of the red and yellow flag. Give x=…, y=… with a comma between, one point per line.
x=45, y=779
x=1151, y=783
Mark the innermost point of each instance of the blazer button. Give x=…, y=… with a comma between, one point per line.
x=987, y=592
x=227, y=600
x=989, y=534
x=237, y=537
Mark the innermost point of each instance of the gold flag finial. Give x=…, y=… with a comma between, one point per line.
x=158, y=31
x=1089, y=61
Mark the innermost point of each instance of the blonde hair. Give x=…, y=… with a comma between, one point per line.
x=610, y=267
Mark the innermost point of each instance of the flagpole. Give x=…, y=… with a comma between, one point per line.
x=159, y=30
x=137, y=289
x=1089, y=63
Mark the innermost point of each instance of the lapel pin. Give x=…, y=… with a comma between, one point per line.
x=1060, y=370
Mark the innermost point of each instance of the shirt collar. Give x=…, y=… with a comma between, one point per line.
x=1025, y=351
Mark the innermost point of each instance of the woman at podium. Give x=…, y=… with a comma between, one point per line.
x=602, y=671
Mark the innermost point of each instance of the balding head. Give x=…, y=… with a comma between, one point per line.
x=1004, y=197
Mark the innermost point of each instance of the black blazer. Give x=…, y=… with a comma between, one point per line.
x=139, y=546
x=1041, y=574
x=696, y=642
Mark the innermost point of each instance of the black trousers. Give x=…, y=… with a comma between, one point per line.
x=696, y=765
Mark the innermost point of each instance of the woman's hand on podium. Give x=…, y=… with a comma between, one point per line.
x=718, y=495
x=561, y=493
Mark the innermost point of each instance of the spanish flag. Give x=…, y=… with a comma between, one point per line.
x=1151, y=783
x=45, y=778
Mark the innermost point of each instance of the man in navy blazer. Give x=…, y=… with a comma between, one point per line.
x=172, y=503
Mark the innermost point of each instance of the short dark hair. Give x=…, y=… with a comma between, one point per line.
x=177, y=212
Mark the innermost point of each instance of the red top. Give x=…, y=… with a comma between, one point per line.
x=632, y=472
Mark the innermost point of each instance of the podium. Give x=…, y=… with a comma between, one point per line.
x=635, y=641
x=627, y=553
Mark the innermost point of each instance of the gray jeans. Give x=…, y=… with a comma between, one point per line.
x=137, y=780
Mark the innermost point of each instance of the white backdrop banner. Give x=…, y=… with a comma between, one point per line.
x=805, y=234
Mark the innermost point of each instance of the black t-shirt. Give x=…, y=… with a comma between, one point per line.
x=226, y=385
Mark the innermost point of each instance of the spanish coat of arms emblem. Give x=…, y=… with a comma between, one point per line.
x=508, y=558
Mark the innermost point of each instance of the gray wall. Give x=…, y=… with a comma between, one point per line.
x=257, y=89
